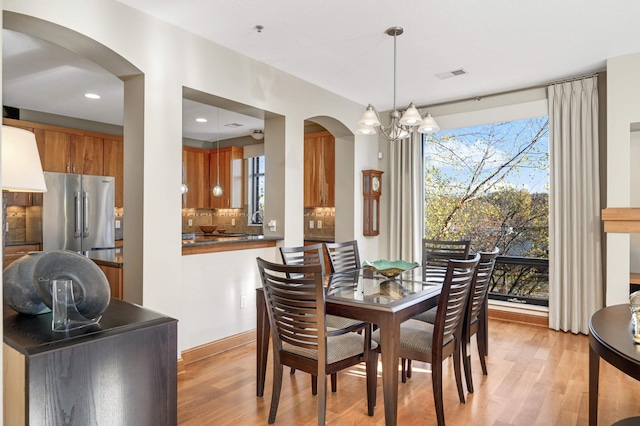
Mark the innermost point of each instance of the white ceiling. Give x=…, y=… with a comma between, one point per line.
x=341, y=46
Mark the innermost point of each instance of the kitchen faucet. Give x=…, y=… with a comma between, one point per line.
x=257, y=217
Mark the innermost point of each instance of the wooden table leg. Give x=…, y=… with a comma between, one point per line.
x=594, y=375
x=390, y=343
x=262, y=341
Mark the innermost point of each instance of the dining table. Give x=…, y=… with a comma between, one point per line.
x=366, y=296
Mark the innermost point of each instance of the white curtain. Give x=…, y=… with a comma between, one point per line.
x=406, y=199
x=575, y=269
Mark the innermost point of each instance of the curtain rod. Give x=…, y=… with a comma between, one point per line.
x=507, y=92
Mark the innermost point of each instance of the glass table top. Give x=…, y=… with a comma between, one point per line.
x=366, y=286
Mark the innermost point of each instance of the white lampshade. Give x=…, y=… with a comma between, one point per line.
x=21, y=167
x=257, y=135
x=369, y=118
x=428, y=125
x=365, y=130
x=411, y=116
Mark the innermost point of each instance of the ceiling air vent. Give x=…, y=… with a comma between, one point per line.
x=450, y=74
x=233, y=125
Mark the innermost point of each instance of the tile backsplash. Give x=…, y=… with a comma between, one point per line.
x=320, y=222
x=231, y=220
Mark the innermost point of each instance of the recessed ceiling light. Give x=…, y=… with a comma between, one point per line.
x=91, y=96
x=201, y=120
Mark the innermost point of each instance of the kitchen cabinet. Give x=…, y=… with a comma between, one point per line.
x=114, y=276
x=15, y=252
x=24, y=199
x=72, y=153
x=231, y=177
x=319, y=170
x=113, y=152
x=195, y=170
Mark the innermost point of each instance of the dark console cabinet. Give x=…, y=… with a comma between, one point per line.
x=121, y=372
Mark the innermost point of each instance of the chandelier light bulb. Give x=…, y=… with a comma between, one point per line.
x=217, y=191
x=184, y=188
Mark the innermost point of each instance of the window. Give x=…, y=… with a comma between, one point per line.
x=490, y=183
x=256, y=190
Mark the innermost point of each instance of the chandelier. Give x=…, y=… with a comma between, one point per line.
x=400, y=127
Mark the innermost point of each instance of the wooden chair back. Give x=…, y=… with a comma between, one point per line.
x=480, y=287
x=303, y=255
x=343, y=256
x=438, y=252
x=452, y=304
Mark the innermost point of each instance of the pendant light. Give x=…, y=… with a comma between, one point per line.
x=217, y=190
x=401, y=126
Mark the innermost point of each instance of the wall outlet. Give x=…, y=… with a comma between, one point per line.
x=190, y=222
x=118, y=224
x=233, y=222
x=243, y=301
x=319, y=224
x=311, y=223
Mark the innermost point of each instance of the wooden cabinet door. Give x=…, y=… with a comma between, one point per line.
x=86, y=154
x=319, y=170
x=19, y=199
x=113, y=165
x=57, y=150
x=196, y=176
x=231, y=177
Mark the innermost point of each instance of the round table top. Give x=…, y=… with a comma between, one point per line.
x=611, y=327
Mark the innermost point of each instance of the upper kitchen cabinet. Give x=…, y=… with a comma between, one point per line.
x=66, y=150
x=195, y=169
x=231, y=174
x=113, y=153
x=319, y=170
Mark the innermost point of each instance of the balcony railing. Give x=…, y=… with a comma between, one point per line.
x=523, y=280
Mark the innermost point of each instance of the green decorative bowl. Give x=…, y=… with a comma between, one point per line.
x=390, y=268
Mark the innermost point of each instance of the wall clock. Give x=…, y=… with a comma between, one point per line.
x=371, y=191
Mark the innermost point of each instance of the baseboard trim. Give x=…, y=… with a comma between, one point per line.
x=504, y=315
x=213, y=348
x=181, y=366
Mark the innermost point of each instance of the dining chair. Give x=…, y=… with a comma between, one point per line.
x=343, y=256
x=295, y=299
x=438, y=252
x=312, y=255
x=475, y=319
x=433, y=343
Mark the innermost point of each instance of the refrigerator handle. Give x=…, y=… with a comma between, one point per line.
x=85, y=199
x=78, y=227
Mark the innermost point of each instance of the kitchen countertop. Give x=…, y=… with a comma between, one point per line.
x=107, y=257
x=27, y=243
x=320, y=239
x=195, y=240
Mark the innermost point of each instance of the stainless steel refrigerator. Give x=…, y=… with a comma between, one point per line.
x=78, y=212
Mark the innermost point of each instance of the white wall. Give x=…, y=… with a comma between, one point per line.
x=623, y=109
x=634, y=158
x=201, y=291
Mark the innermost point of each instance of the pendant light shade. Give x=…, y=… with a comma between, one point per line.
x=428, y=125
x=217, y=189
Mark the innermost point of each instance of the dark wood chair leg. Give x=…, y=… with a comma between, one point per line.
x=409, y=368
x=314, y=385
x=482, y=347
x=466, y=360
x=458, y=373
x=436, y=382
x=292, y=371
x=275, y=394
x=403, y=363
x=334, y=382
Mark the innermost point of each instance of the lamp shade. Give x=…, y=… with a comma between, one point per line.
x=21, y=167
x=257, y=135
x=369, y=118
x=411, y=117
x=428, y=125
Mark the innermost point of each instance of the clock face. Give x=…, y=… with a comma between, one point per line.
x=375, y=183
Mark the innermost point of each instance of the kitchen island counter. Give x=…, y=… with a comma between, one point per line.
x=107, y=257
x=197, y=244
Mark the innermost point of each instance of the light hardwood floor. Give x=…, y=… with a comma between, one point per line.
x=536, y=377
